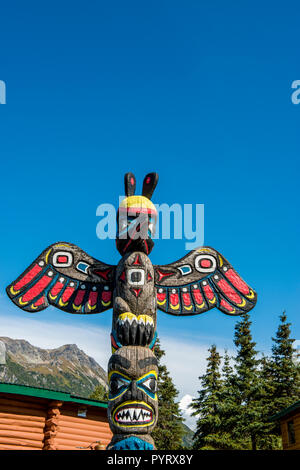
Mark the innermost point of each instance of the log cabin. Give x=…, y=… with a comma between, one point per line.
x=289, y=419
x=40, y=419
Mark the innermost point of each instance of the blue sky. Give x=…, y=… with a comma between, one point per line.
x=199, y=92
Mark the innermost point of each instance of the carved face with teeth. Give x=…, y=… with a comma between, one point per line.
x=134, y=316
x=132, y=376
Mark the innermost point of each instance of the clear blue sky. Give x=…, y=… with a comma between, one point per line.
x=199, y=92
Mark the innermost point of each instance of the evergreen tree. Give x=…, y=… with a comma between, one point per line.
x=227, y=410
x=282, y=371
x=169, y=431
x=207, y=405
x=270, y=440
x=246, y=421
x=227, y=371
x=100, y=393
x=285, y=371
x=234, y=408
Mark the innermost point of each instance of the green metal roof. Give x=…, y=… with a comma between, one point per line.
x=286, y=411
x=49, y=394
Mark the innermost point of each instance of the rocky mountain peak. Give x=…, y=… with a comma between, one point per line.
x=66, y=368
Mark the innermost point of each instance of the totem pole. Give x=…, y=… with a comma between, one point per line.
x=66, y=277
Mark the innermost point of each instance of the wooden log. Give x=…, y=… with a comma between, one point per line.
x=22, y=422
x=87, y=427
x=21, y=442
x=14, y=433
x=49, y=436
x=19, y=410
x=66, y=447
x=88, y=424
x=21, y=428
x=285, y=435
x=14, y=447
x=73, y=444
x=52, y=421
x=22, y=404
x=76, y=419
x=82, y=437
x=23, y=398
x=98, y=413
x=22, y=417
x=51, y=425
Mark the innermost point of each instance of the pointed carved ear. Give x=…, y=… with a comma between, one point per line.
x=149, y=184
x=130, y=184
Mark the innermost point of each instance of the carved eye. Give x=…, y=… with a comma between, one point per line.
x=62, y=259
x=116, y=385
x=151, y=384
x=205, y=263
x=136, y=277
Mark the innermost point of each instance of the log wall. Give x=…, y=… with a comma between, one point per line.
x=22, y=422
x=75, y=431
x=38, y=424
x=284, y=431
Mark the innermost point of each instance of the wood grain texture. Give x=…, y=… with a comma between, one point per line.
x=66, y=277
x=41, y=424
x=51, y=425
x=134, y=308
x=200, y=281
x=133, y=407
x=295, y=417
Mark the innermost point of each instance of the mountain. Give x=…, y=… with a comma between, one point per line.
x=67, y=368
x=187, y=439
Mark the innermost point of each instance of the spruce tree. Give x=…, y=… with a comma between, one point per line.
x=227, y=409
x=206, y=406
x=227, y=370
x=246, y=421
x=270, y=440
x=169, y=431
x=100, y=393
x=283, y=371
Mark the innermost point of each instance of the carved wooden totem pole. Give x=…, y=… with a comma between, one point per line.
x=66, y=277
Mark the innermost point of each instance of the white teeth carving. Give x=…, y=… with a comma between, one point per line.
x=134, y=415
x=140, y=320
x=127, y=319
